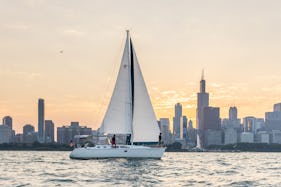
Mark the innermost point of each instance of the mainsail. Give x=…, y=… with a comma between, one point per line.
x=130, y=110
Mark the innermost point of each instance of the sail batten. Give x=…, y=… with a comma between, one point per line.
x=130, y=110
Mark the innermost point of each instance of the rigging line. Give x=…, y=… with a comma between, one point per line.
x=115, y=63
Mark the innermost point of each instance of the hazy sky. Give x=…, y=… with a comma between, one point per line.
x=237, y=42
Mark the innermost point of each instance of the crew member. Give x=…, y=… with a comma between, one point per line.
x=113, y=141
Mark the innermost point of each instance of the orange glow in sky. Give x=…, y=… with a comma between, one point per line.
x=68, y=53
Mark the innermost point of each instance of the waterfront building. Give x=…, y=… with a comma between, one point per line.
x=49, y=131
x=263, y=137
x=273, y=119
x=7, y=120
x=202, y=102
x=41, y=120
x=5, y=134
x=65, y=134
x=18, y=138
x=252, y=124
x=276, y=136
x=191, y=134
x=230, y=136
x=277, y=107
x=233, y=120
x=184, y=127
x=247, y=137
x=178, y=122
x=211, y=118
x=28, y=134
x=213, y=137
x=165, y=130
x=232, y=113
x=211, y=121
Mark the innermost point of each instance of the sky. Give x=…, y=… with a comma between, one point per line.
x=68, y=52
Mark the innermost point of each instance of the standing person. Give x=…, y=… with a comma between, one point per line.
x=113, y=141
x=128, y=139
x=160, y=138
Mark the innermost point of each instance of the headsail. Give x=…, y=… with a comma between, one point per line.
x=145, y=126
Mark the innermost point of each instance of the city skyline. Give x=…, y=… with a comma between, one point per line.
x=65, y=53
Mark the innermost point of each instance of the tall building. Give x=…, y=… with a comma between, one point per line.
x=165, y=130
x=233, y=113
x=231, y=127
x=178, y=121
x=230, y=136
x=41, y=120
x=212, y=134
x=277, y=107
x=49, y=131
x=191, y=134
x=202, y=102
x=211, y=118
x=7, y=120
x=5, y=134
x=252, y=124
x=273, y=119
x=29, y=134
x=184, y=127
x=18, y=138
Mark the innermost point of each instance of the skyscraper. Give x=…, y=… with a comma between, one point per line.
x=277, y=107
x=211, y=118
x=7, y=120
x=212, y=134
x=233, y=113
x=49, y=131
x=5, y=134
x=29, y=134
x=202, y=101
x=41, y=120
x=273, y=119
x=165, y=130
x=177, y=121
x=184, y=127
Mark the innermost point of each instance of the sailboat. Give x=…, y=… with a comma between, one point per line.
x=129, y=112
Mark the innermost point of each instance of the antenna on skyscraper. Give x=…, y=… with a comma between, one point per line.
x=202, y=76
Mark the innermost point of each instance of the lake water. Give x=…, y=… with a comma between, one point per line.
x=36, y=168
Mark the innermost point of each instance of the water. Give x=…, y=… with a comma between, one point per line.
x=35, y=168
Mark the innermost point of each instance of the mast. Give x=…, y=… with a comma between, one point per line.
x=131, y=57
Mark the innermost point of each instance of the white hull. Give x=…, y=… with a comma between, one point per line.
x=122, y=151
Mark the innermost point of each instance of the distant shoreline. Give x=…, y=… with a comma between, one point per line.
x=35, y=147
x=233, y=148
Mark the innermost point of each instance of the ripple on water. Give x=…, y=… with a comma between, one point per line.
x=175, y=169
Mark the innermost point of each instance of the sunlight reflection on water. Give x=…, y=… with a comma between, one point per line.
x=35, y=168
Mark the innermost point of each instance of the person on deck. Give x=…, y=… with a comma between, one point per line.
x=113, y=141
x=128, y=139
x=160, y=138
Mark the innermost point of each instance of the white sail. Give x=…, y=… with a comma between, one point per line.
x=145, y=126
x=118, y=117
